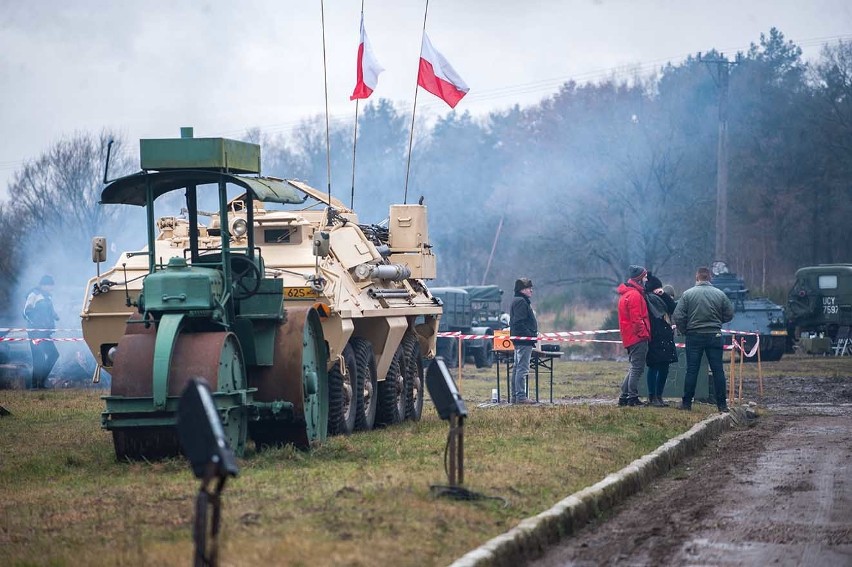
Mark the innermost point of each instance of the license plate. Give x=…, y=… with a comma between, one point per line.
x=304, y=292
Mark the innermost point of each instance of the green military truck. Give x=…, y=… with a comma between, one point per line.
x=470, y=310
x=486, y=303
x=456, y=317
x=820, y=302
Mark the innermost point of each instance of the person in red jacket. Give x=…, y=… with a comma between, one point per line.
x=635, y=329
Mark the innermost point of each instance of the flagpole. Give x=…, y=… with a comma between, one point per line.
x=325, y=85
x=355, y=134
x=414, y=110
x=354, y=145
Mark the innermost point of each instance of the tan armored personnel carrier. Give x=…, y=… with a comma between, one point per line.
x=377, y=317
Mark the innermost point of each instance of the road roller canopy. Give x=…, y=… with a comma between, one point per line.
x=131, y=190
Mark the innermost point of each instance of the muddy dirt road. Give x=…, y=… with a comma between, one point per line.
x=776, y=493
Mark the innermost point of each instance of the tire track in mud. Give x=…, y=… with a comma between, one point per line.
x=779, y=492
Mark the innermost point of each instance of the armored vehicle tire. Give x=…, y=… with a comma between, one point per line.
x=414, y=381
x=484, y=357
x=341, y=409
x=392, y=393
x=774, y=350
x=216, y=357
x=298, y=375
x=366, y=394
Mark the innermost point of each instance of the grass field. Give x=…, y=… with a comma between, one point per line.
x=359, y=500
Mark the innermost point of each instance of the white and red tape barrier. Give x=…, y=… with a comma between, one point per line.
x=560, y=336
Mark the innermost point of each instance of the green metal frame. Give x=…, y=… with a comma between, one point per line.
x=127, y=412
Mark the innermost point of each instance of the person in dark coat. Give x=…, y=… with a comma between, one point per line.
x=661, y=348
x=522, y=323
x=41, y=317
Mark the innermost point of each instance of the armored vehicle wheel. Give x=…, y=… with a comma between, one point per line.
x=365, y=394
x=413, y=377
x=341, y=409
x=772, y=348
x=216, y=357
x=298, y=375
x=484, y=357
x=392, y=394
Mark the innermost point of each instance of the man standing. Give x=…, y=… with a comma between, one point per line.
x=699, y=315
x=39, y=313
x=522, y=323
x=635, y=332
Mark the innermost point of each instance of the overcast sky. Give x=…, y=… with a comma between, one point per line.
x=146, y=68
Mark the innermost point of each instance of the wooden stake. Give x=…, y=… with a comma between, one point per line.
x=759, y=373
x=733, y=372
x=459, y=367
x=742, y=358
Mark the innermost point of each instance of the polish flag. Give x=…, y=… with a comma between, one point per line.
x=368, y=68
x=437, y=76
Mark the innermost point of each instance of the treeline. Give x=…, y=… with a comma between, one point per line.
x=569, y=191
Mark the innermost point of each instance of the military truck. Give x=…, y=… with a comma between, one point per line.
x=756, y=315
x=820, y=301
x=488, y=316
x=303, y=321
x=470, y=310
x=456, y=317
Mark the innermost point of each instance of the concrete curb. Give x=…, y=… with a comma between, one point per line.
x=533, y=535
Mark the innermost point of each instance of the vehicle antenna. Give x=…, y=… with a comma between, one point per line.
x=325, y=86
x=355, y=134
x=413, y=114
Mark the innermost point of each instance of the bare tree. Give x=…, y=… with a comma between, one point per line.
x=52, y=213
x=58, y=192
x=11, y=259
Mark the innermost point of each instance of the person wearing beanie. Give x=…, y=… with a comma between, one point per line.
x=635, y=332
x=699, y=315
x=41, y=318
x=661, y=347
x=522, y=323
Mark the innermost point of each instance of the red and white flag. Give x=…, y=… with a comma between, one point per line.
x=368, y=68
x=437, y=76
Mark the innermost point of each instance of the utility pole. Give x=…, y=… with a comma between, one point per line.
x=720, y=77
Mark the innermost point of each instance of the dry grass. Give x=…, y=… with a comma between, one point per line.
x=600, y=379
x=359, y=500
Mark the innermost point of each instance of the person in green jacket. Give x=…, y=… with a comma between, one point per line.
x=699, y=315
